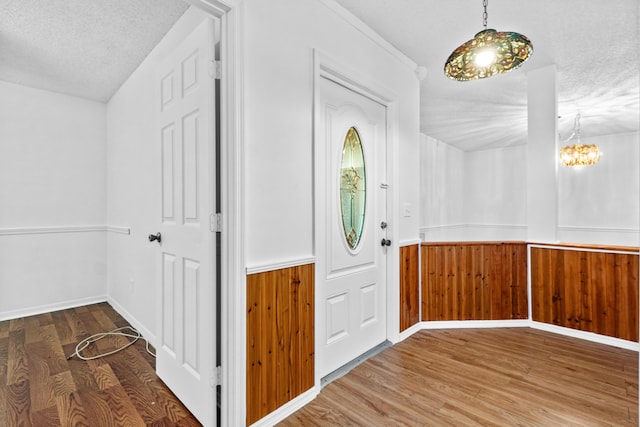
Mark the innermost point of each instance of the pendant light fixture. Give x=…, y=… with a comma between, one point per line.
x=489, y=52
x=578, y=154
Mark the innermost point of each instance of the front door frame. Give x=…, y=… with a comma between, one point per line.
x=327, y=67
x=233, y=323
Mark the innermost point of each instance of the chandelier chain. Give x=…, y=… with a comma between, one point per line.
x=485, y=15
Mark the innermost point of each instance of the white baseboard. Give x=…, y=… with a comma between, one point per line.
x=410, y=331
x=146, y=333
x=468, y=324
x=587, y=336
x=47, y=308
x=287, y=409
x=522, y=323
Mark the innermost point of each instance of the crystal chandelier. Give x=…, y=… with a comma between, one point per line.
x=578, y=154
x=489, y=52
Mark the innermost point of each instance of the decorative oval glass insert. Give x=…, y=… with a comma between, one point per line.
x=353, y=188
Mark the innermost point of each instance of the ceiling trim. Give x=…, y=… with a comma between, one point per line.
x=359, y=25
x=214, y=7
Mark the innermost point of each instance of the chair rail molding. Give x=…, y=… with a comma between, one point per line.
x=409, y=242
x=470, y=225
x=598, y=229
x=16, y=231
x=278, y=265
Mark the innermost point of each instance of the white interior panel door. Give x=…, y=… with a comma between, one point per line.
x=352, y=199
x=186, y=350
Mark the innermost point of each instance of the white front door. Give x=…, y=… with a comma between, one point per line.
x=186, y=144
x=351, y=195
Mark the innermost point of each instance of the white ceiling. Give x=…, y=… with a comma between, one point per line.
x=85, y=48
x=594, y=44
x=88, y=48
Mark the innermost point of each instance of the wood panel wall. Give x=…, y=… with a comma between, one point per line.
x=589, y=291
x=474, y=281
x=280, y=338
x=409, y=286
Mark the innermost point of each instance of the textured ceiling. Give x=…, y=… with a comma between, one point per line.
x=593, y=43
x=86, y=48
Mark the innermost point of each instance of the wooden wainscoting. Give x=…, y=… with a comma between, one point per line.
x=409, y=286
x=280, y=338
x=474, y=281
x=594, y=291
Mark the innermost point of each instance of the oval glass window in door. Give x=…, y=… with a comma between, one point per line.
x=353, y=189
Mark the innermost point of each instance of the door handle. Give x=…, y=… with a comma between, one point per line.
x=156, y=236
x=385, y=242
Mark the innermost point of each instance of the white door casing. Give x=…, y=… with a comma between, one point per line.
x=186, y=138
x=351, y=282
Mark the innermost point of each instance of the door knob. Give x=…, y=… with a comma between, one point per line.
x=156, y=236
x=385, y=242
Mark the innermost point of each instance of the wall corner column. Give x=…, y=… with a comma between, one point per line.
x=542, y=162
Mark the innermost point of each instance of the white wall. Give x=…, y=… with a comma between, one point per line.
x=542, y=154
x=599, y=203
x=278, y=96
x=52, y=193
x=280, y=38
x=133, y=197
x=441, y=189
x=472, y=195
x=495, y=194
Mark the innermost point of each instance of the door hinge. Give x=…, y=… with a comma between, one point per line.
x=215, y=222
x=215, y=69
x=216, y=377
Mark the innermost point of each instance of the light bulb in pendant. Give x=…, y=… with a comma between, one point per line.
x=485, y=58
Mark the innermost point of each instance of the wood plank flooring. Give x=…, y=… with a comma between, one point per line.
x=483, y=377
x=40, y=388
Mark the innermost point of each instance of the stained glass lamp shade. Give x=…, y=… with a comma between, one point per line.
x=490, y=52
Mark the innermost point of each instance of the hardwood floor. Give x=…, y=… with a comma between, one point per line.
x=40, y=388
x=483, y=377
